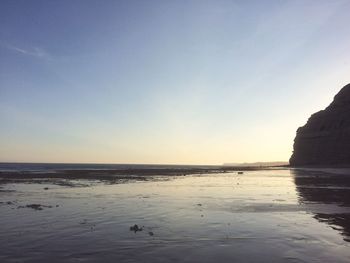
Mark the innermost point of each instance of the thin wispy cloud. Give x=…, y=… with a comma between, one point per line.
x=34, y=52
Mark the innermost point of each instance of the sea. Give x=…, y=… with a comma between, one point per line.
x=42, y=167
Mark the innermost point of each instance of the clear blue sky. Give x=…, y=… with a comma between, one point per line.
x=200, y=82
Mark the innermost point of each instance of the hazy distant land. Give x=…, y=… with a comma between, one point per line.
x=257, y=164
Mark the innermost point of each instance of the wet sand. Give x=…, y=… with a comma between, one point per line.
x=258, y=216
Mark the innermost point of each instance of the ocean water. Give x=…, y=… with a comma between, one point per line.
x=47, y=167
x=260, y=216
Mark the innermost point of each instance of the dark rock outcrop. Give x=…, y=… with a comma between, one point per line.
x=325, y=138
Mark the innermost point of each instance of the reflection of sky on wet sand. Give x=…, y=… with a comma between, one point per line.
x=259, y=216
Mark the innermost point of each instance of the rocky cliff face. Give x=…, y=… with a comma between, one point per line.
x=325, y=139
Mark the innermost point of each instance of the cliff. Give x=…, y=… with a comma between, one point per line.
x=325, y=138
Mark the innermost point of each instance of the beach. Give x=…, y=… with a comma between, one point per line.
x=269, y=215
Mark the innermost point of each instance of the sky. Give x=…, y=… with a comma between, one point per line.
x=166, y=82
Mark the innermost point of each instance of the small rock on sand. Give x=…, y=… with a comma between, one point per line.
x=136, y=228
x=35, y=206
